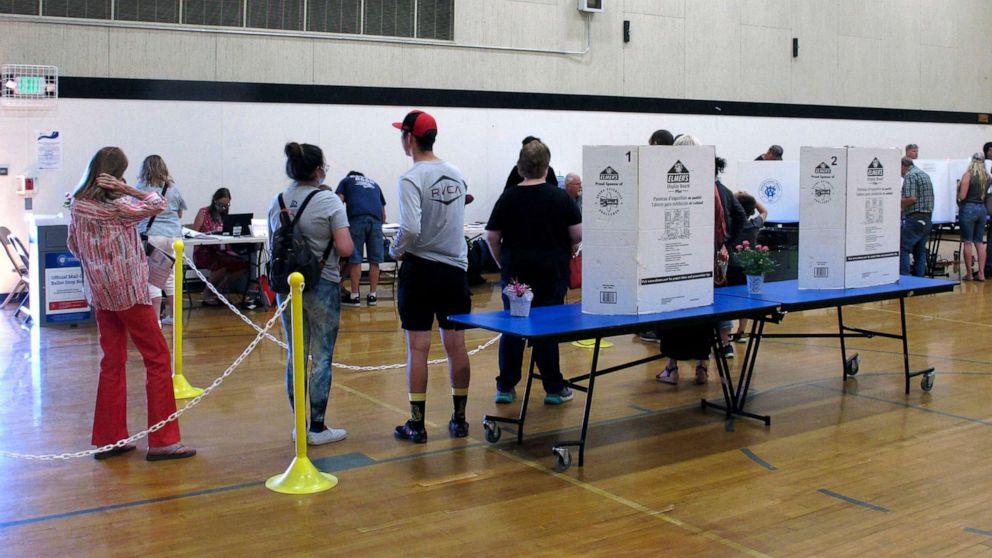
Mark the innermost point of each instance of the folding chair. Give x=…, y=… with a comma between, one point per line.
x=18, y=256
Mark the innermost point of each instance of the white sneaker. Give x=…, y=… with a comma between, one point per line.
x=328, y=436
x=168, y=320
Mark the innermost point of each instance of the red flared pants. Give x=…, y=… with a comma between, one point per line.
x=110, y=418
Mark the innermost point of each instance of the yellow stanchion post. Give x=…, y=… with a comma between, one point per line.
x=302, y=477
x=180, y=386
x=591, y=344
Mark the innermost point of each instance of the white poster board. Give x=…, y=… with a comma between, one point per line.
x=822, y=217
x=648, y=233
x=773, y=183
x=945, y=183
x=873, y=220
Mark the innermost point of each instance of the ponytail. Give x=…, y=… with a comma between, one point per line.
x=303, y=160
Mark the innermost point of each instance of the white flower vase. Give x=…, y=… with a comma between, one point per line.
x=520, y=305
x=755, y=284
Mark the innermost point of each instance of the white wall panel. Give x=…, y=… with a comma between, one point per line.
x=939, y=26
x=723, y=56
x=864, y=18
x=767, y=13
x=240, y=145
x=135, y=53
x=660, y=70
x=766, y=59
x=668, y=8
x=815, y=72
x=264, y=59
x=713, y=49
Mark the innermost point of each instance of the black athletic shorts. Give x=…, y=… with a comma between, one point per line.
x=429, y=290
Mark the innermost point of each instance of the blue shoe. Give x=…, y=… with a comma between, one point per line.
x=410, y=431
x=504, y=397
x=558, y=398
x=458, y=428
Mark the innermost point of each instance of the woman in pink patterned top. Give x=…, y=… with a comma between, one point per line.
x=103, y=234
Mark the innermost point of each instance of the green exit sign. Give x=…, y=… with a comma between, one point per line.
x=30, y=85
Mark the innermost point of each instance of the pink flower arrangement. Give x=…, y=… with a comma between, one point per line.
x=756, y=260
x=517, y=289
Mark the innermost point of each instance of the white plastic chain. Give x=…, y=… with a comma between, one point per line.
x=279, y=342
x=174, y=416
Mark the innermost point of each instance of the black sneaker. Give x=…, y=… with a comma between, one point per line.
x=728, y=351
x=457, y=428
x=409, y=432
x=649, y=336
x=352, y=302
x=345, y=295
x=371, y=299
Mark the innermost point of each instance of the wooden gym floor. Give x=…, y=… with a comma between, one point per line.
x=843, y=470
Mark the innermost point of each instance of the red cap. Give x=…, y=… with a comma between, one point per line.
x=418, y=123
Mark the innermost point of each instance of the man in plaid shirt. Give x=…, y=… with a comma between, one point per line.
x=917, y=209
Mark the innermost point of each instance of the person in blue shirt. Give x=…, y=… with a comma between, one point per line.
x=366, y=207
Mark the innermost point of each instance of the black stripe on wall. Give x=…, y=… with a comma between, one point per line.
x=175, y=90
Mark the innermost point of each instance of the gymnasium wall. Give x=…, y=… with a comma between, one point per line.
x=903, y=62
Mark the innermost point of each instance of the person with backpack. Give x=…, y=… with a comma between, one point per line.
x=308, y=233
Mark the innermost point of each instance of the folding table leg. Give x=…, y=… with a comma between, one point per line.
x=491, y=422
x=559, y=449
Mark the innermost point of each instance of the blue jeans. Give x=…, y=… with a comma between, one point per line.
x=321, y=316
x=972, y=219
x=511, y=349
x=915, y=234
x=366, y=232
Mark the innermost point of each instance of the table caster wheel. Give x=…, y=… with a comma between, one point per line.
x=493, y=431
x=563, y=459
x=852, y=365
x=926, y=384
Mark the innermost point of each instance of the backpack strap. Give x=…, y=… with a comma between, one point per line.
x=284, y=216
x=148, y=227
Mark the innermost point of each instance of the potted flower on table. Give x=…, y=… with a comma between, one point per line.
x=520, y=297
x=756, y=262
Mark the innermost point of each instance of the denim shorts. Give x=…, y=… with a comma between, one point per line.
x=366, y=233
x=972, y=219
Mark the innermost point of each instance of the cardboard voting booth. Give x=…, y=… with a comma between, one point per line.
x=647, y=227
x=850, y=217
x=775, y=184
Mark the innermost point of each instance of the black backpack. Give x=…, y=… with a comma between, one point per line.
x=290, y=252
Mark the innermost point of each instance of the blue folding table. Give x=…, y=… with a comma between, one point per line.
x=567, y=323
x=788, y=297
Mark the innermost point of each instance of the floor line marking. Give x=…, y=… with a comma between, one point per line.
x=111, y=507
x=854, y=501
x=753, y=457
x=659, y=514
x=978, y=531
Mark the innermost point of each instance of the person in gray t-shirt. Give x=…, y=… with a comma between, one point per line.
x=433, y=278
x=323, y=220
x=165, y=227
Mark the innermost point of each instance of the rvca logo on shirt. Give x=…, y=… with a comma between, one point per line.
x=446, y=190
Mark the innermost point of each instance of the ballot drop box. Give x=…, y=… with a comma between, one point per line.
x=647, y=227
x=849, y=217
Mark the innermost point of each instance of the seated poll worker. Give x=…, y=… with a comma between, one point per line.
x=226, y=266
x=532, y=230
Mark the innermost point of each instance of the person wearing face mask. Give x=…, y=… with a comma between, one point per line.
x=226, y=266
